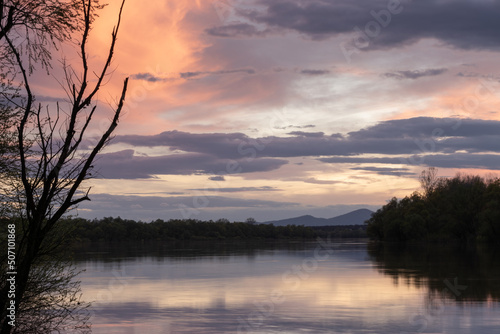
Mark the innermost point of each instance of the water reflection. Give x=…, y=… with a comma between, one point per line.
x=465, y=274
x=266, y=288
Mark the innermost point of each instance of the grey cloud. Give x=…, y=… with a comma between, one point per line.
x=219, y=144
x=390, y=137
x=463, y=160
x=297, y=127
x=303, y=126
x=158, y=192
x=425, y=127
x=306, y=134
x=190, y=75
x=461, y=24
x=456, y=160
x=316, y=181
x=209, y=153
x=315, y=72
x=236, y=30
x=148, y=77
x=470, y=75
x=416, y=74
x=241, y=70
x=489, y=78
x=217, y=178
x=238, y=189
x=471, y=144
x=364, y=160
x=387, y=171
x=316, y=19
x=125, y=165
x=238, y=145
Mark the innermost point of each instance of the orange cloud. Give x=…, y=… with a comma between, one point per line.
x=471, y=99
x=155, y=39
x=152, y=33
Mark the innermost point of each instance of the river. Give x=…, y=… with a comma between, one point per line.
x=322, y=286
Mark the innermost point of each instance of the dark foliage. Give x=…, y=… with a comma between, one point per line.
x=462, y=209
x=118, y=229
x=341, y=231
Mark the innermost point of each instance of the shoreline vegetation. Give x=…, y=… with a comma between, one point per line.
x=464, y=209
x=109, y=229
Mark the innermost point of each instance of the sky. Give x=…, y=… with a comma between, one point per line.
x=273, y=109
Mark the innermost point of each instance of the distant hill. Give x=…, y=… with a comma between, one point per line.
x=356, y=217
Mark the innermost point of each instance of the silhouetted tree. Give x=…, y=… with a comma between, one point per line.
x=251, y=221
x=429, y=180
x=51, y=163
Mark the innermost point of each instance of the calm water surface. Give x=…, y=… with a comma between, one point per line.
x=293, y=287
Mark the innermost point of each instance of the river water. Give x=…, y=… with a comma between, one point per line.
x=320, y=286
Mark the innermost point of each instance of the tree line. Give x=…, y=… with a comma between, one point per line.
x=76, y=230
x=111, y=229
x=465, y=208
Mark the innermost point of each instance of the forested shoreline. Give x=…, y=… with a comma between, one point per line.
x=111, y=229
x=461, y=209
x=118, y=229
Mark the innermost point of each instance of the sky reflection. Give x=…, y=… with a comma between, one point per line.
x=276, y=291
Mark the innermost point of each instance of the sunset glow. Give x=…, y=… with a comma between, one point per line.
x=251, y=108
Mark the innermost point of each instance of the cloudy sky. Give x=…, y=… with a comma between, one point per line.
x=277, y=108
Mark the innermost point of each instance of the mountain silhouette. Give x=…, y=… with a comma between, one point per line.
x=356, y=217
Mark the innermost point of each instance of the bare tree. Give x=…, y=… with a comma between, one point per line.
x=251, y=221
x=35, y=26
x=8, y=148
x=429, y=180
x=54, y=153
